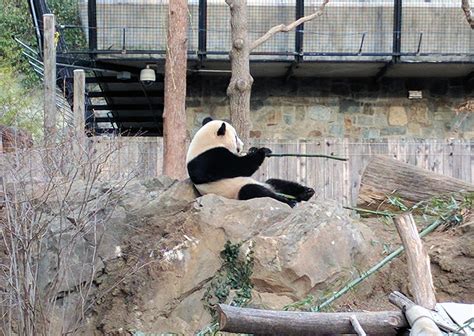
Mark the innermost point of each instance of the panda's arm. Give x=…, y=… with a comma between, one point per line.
x=219, y=163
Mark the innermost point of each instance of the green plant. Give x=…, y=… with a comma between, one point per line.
x=234, y=276
x=15, y=20
x=67, y=14
x=451, y=208
x=18, y=104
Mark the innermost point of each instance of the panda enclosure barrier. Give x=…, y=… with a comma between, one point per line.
x=338, y=180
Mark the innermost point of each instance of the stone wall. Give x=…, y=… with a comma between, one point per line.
x=315, y=108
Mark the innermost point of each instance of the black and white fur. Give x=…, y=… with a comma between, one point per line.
x=215, y=167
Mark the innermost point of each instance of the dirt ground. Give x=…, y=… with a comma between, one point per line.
x=452, y=265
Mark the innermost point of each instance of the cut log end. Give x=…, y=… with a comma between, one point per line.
x=222, y=317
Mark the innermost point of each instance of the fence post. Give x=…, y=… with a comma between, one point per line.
x=49, y=59
x=79, y=105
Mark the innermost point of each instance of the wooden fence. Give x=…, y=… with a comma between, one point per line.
x=332, y=179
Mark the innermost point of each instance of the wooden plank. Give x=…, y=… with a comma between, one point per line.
x=465, y=151
x=458, y=156
x=312, y=170
x=449, y=161
x=346, y=178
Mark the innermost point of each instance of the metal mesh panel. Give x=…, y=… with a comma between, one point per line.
x=132, y=25
x=262, y=15
x=435, y=27
x=218, y=29
x=350, y=27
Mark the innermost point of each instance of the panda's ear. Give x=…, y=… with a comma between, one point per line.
x=206, y=120
x=221, y=130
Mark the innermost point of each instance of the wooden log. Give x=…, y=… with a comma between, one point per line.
x=419, y=270
x=266, y=322
x=384, y=176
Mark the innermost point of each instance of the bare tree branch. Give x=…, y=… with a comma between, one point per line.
x=466, y=7
x=286, y=28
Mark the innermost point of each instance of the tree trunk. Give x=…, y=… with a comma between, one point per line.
x=418, y=261
x=174, y=115
x=267, y=322
x=240, y=85
x=384, y=176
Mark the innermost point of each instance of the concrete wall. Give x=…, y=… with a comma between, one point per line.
x=316, y=108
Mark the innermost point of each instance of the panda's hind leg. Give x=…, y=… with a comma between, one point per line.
x=298, y=191
x=250, y=191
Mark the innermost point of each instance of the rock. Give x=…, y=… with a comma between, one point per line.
x=300, y=251
x=161, y=247
x=397, y=116
x=320, y=113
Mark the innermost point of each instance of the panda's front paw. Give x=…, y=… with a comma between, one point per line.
x=266, y=151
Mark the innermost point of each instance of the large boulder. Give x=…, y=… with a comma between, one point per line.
x=160, y=249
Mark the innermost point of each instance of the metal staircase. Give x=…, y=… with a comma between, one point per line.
x=116, y=102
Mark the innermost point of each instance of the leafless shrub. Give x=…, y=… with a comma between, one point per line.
x=54, y=209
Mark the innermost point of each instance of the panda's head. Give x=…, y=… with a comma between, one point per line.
x=214, y=133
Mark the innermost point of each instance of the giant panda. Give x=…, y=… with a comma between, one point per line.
x=215, y=166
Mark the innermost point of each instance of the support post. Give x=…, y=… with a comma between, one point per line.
x=397, y=30
x=202, y=36
x=92, y=22
x=49, y=58
x=419, y=270
x=79, y=105
x=299, y=31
